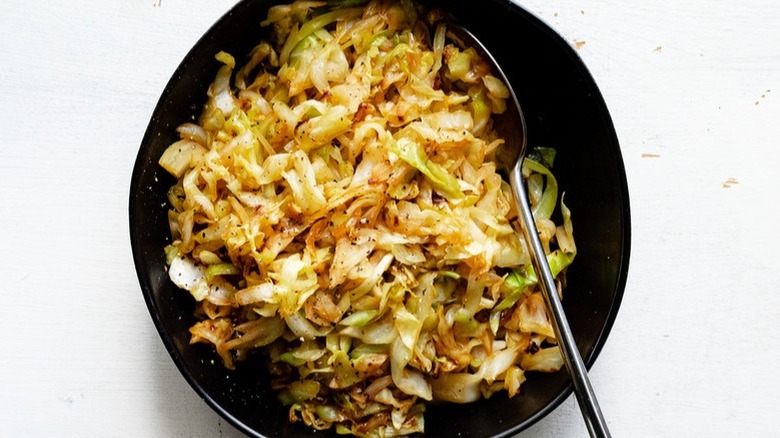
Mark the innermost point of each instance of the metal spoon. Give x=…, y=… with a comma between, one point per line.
x=511, y=126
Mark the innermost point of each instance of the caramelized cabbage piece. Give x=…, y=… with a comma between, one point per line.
x=338, y=209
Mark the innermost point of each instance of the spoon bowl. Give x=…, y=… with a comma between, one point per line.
x=511, y=123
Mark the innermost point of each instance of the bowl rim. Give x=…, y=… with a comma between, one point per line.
x=624, y=235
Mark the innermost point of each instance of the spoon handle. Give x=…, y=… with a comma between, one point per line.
x=589, y=406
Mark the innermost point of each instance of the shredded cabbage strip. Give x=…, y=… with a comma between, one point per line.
x=338, y=207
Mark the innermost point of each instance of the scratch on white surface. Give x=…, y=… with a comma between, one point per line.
x=646, y=155
x=157, y=3
x=657, y=49
x=729, y=183
x=763, y=96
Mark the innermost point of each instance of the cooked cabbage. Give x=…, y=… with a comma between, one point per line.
x=338, y=208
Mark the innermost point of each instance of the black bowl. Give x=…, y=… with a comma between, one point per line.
x=564, y=109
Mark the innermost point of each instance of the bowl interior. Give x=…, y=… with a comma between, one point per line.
x=563, y=108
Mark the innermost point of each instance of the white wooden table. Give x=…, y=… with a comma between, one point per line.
x=694, y=90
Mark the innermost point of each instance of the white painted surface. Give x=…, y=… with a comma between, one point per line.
x=694, y=90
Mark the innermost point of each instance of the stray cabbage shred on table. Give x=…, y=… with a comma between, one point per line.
x=338, y=204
